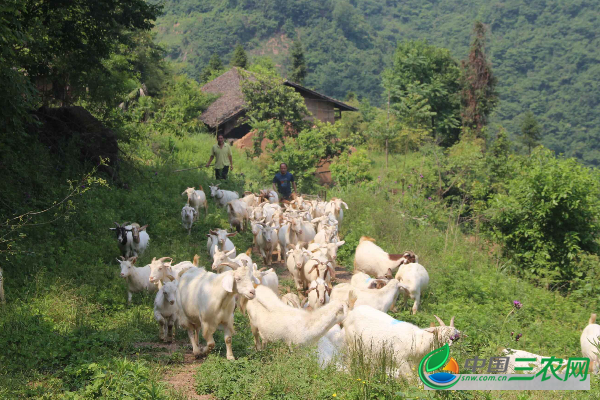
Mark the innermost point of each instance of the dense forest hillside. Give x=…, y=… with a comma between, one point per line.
x=544, y=52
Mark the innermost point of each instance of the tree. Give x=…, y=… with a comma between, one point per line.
x=298, y=69
x=430, y=74
x=268, y=98
x=213, y=69
x=530, y=131
x=239, y=59
x=479, y=96
x=67, y=39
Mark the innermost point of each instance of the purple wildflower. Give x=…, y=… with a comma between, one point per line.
x=82, y=186
x=517, y=304
x=429, y=198
x=512, y=334
x=409, y=185
x=518, y=336
x=421, y=175
x=155, y=173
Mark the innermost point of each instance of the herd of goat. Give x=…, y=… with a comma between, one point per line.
x=304, y=234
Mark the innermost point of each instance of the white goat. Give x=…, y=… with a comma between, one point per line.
x=222, y=197
x=318, y=293
x=266, y=241
x=303, y=230
x=273, y=320
x=266, y=278
x=196, y=199
x=219, y=238
x=328, y=250
x=165, y=310
x=222, y=258
x=237, y=212
x=325, y=235
x=296, y=258
x=140, y=239
x=380, y=299
x=590, y=338
x=270, y=196
x=207, y=300
x=371, y=259
x=188, y=216
x=161, y=270
x=368, y=329
x=414, y=278
x=291, y=299
x=137, y=278
x=364, y=281
x=335, y=207
x=324, y=221
x=251, y=199
x=318, y=267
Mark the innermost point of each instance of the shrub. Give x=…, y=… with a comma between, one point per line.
x=351, y=169
x=548, y=216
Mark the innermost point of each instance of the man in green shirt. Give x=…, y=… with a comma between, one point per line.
x=221, y=152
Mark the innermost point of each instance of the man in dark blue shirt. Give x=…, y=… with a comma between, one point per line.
x=284, y=181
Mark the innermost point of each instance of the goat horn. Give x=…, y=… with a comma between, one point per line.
x=117, y=224
x=231, y=265
x=162, y=259
x=452, y=322
x=262, y=269
x=439, y=320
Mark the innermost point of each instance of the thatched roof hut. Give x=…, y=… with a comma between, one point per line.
x=224, y=113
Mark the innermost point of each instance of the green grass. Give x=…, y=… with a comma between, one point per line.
x=66, y=331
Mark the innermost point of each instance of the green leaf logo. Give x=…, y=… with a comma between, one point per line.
x=437, y=358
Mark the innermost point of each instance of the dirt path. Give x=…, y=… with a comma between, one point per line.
x=180, y=377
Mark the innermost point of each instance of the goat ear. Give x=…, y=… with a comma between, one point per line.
x=431, y=330
x=133, y=260
x=228, y=283
x=231, y=234
x=255, y=281
x=230, y=252
x=143, y=228
x=338, y=244
x=249, y=251
x=123, y=259
x=432, y=325
x=113, y=229
x=351, y=299
x=208, y=235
